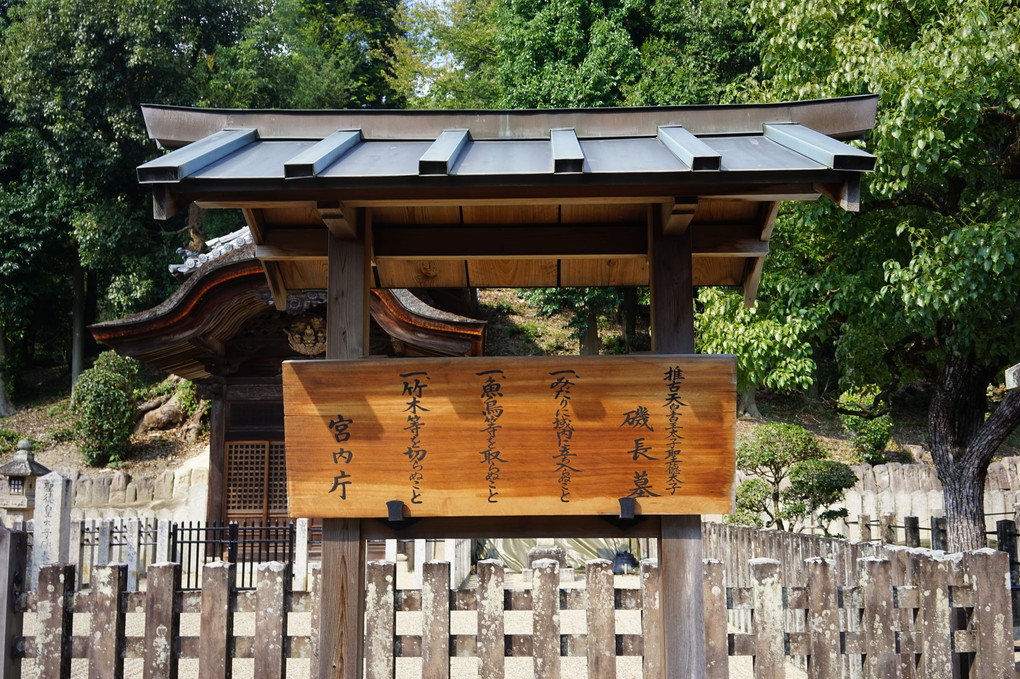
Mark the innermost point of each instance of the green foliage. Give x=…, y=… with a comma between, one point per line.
x=187, y=397
x=104, y=409
x=868, y=433
x=587, y=305
x=814, y=486
x=791, y=479
x=771, y=351
x=8, y=440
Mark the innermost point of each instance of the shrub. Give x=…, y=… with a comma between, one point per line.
x=103, y=408
x=8, y=439
x=868, y=433
x=791, y=478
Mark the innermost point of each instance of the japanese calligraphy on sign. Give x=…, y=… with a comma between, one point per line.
x=510, y=436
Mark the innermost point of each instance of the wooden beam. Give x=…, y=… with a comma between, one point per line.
x=540, y=241
x=277, y=287
x=752, y=279
x=165, y=204
x=677, y=215
x=847, y=195
x=335, y=216
x=716, y=240
x=293, y=244
x=256, y=223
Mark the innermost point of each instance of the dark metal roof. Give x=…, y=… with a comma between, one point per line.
x=668, y=151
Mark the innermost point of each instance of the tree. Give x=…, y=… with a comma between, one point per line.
x=771, y=352
x=791, y=478
x=921, y=285
x=446, y=54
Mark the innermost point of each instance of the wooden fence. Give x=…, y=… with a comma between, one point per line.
x=872, y=627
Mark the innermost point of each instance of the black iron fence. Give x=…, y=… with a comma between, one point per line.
x=244, y=544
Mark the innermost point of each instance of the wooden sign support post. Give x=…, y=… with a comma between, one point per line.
x=341, y=621
x=680, y=551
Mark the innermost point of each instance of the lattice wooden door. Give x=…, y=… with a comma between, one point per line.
x=256, y=480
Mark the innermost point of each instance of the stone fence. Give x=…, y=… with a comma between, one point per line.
x=914, y=490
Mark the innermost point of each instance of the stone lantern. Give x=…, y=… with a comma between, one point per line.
x=17, y=485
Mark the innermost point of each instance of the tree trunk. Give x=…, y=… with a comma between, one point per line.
x=962, y=444
x=590, y=338
x=77, y=319
x=6, y=407
x=746, y=403
x=964, y=495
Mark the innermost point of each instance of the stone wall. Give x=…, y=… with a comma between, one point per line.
x=914, y=490
x=175, y=495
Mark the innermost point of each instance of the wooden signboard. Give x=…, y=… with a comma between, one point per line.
x=510, y=436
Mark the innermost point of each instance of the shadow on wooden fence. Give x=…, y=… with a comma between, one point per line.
x=872, y=627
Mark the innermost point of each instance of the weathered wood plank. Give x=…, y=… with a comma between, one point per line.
x=435, y=616
x=491, y=627
x=341, y=620
x=380, y=619
x=769, y=652
x=162, y=622
x=13, y=581
x=823, y=619
x=601, y=617
x=105, y=661
x=545, y=602
x=270, y=620
x=987, y=570
x=716, y=659
x=879, y=621
x=651, y=618
x=217, y=622
x=55, y=615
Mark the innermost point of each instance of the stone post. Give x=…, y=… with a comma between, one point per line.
x=51, y=539
x=300, y=555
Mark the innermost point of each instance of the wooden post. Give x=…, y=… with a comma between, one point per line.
x=887, y=528
x=864, y=523
x=939, y=533
x=341, y=613
x=380, y=619
x=823, y=619
x=1005, y=532
x=13, y=581
x=545, y=609
x=270, y=620
x=217, y=624
x=716, y=643
x=912, y=529
x=987, y=571
x=435, y=620
x=490, y=619
x=601, y=616
x=769, y=650
x=934, y=618
x=680, y=549
x=315, y=574
x=55, y=615
x=162, y=621
x=878, y=621
x=105, y=660
x=651, y=618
